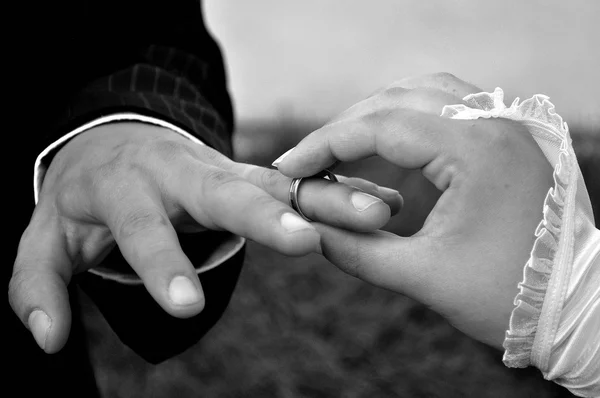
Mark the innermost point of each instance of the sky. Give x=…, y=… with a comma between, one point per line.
x=311, y=59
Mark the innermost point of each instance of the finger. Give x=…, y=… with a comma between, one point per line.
x=442, y=81
x=277, y=185
x=322, y=200
x=38, y=288
x=149, y=243
x=219, y=199
x=405, y=137
x=423, y=99
x=380, y=258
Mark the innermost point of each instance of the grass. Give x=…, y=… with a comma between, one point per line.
x=298, y=327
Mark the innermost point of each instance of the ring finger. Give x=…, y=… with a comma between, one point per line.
x=353, y=203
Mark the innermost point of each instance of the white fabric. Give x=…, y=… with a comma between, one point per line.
x=225, y=251
x=555, y=325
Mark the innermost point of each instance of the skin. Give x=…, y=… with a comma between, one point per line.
x=467, y=260
x=135, y=186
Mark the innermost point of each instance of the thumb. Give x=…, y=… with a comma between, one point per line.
x=38, y=287
x=400, y=264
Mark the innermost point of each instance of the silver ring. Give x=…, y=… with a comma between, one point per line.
x=295, y=186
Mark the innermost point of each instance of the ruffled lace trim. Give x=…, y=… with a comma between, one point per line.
x=538, y=113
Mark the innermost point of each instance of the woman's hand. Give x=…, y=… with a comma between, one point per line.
x=135, y=185
x=468, y=258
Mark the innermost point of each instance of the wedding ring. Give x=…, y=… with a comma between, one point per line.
x=295, y=186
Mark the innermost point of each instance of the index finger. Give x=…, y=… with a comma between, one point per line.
x=404, y=137
x=443, y=81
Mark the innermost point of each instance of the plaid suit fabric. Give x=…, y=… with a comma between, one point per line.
x=161, y=88
x=157, y=59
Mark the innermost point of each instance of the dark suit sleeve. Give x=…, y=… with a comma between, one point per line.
x=153, y=58
x=150, y=57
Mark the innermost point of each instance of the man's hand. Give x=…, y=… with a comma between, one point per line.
x=468, y=258
x=136, y=185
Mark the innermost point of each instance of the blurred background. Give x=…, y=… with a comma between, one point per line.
x=298, y=327
x=305, y=61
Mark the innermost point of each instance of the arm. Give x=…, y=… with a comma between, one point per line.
x=140, y=186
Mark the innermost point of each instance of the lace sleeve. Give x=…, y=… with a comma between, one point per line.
x=555, y=325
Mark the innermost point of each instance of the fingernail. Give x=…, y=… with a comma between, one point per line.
x=39, y=325
x=363, y=201
x=182, y=291
x=388, y=192
x=292, y=223
x=279, y=159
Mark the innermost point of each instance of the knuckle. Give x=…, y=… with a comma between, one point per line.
x=210, y=155
x=166, y=150
x=405, y=83
x=140, y=220
x=110, y=168
x=394, y=91
x=445, y=77
x=352, y=260
x=191, y=170
x=376, y=117
x=162, y=252
x=270, y=179
x=218, y=179
x=18, y=290
x=408, y=82
x=107, y=176
x=68, y=198
x=261, y=201
x=423, y=93
x=263, y=207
